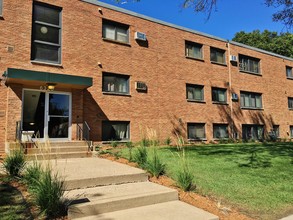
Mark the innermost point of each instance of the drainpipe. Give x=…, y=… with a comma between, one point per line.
x=230, y=88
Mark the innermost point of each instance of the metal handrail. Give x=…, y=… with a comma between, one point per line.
x=83, y=133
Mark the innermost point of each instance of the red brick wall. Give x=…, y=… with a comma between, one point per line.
x=162, y=65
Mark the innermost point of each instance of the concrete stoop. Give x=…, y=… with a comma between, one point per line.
x=106, y=190
x=58, y=150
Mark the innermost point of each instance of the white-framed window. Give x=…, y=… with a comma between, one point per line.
x=251, y=100
x=193, y=50
x=289, y=73
x=115, y=31
x=196, y=131
x=218, y=55
x=115, y=83
x=219, y=95
x=252, y=132
x=249, y=64
x=220, y=131
x=291, y=131
x=194, y=92
x=115, y=130
x=46, y=33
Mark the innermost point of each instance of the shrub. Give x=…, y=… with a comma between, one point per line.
x=168, y=141
x=144, y=142
x=140, y=156
x=184, y=177
x=129, y=145
x=48, y=194
x=114, y=144
x=14, y=163
x=154, y=164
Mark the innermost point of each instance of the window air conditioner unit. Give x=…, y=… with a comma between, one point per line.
x=140, y=36
x=233, y=58
x=234, y=97
x=140, y=86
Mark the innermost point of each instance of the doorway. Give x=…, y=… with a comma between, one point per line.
x=47, y=114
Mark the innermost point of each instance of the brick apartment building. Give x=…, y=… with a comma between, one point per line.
x=68, y=62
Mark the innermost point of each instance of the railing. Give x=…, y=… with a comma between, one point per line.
x=83, y=133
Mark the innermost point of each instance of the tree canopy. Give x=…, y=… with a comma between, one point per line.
x=271, y=41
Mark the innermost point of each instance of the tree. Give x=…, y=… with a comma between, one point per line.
x=284, y=15
x=271, y=41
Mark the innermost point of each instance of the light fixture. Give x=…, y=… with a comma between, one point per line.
x=50, y=86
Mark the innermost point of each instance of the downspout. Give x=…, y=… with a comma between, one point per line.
x=230, y=89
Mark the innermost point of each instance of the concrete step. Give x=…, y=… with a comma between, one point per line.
x=174, y=210
x=58, y=155
x=104, y=199
x=92, y=171
x=56, y=149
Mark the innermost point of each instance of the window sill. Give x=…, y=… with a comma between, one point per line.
x=290, y=77
x=220, y=103
x=247, y=108
x=290, y=109
x=198, y=101
x=194, y=58
x=221, y=139
x=1, y=17
x=116, y=93
x=116, y=42
x=217, y=63
x=47, y=64
x=252, y=73
x=197, y=139
x=118, y=141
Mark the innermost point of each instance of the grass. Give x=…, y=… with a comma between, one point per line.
x=12, y=203
x=256, y=178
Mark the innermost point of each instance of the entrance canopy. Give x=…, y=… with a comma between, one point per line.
x=37, y=78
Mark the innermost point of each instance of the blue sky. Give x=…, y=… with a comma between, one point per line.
x=231, y=16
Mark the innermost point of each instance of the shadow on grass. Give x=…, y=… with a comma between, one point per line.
x=253, y=155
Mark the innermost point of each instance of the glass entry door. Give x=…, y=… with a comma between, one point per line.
x=47, y=114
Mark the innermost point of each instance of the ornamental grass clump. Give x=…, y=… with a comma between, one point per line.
x=154, y=165
x=48, y=194
x=32, y=175
x=184, y=177
x=14, y=163
x=140, y=156
x=130, y=146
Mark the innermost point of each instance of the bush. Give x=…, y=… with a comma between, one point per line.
x=168, y=141
x=184, y=177
x=129, y=145
x=48, y=194
x=144, y=142
x=140, y=156
x=114, y=144
x=154, y=164
x=14, y=163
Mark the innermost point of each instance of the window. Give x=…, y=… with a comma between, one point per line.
x=220, y=131
x=115, y=31
x=194, y=92
x=115, y=130
x=250, y=100
x=196, y=131
x=46, y=33
x=219, y=95
x=1, y=7
x=249, y=64
x=290, y=103
x=252, y=132
x=291, y=131
x=193, y=50
x=115, y=83
x=276, y=130
x=289, y=72
x=218, y=55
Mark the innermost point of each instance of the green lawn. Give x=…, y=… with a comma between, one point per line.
x=258, y=178
x=12, y=203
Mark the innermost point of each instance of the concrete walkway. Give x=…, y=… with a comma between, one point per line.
x=102, y=189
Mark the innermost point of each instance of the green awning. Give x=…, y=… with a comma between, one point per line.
x=30, y=77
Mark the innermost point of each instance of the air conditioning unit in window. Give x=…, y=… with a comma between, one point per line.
x=234, y=97
x=140, y=36
x=233, y=58
x=141, y=86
